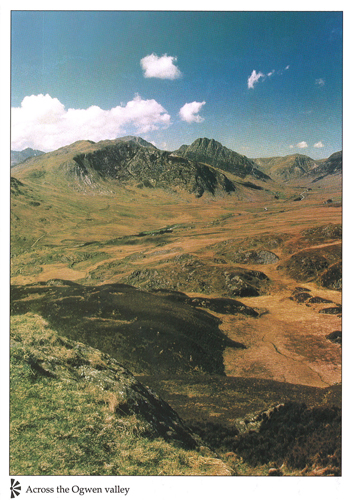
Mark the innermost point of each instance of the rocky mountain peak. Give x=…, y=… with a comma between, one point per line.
x=129, y=161
x=215, y=154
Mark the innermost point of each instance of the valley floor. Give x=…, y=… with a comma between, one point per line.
x=188, y=248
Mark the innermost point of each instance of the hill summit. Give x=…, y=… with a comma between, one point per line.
x=215, y=154
x=137, y=140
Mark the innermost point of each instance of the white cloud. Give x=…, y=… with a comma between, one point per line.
x=42, y=122
x=280, y=72
x=254, y=78
x=319, y=145
x=300, y=145
x=320, y=82
x=160, y=67
x=188, y=112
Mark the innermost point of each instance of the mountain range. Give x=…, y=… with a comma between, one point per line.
x=20, y=156
x=204, y=167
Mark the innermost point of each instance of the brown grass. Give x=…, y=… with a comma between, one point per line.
x=286, y=344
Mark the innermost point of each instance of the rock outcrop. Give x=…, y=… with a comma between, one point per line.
x=322, y=265
x=187, y=273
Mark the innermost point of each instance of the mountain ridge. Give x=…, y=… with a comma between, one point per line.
x=130, y=160
x=215, y=154
x=204, y=167
x=284, y=168
x=295, y=166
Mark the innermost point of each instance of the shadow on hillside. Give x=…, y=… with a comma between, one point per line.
x=146, y=332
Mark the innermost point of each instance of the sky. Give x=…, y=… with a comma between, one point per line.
x=261, y=83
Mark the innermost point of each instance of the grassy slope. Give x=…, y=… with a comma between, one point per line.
x=70, y=425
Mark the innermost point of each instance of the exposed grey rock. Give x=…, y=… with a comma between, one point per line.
x=254, y=257
x=335, y=337
x=332, y=277
x=128, y=161
x=331, y=310
x=189, y=274
x=319, y=300
x=301, y=296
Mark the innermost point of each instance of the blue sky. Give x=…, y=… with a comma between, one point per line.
x=261, y=83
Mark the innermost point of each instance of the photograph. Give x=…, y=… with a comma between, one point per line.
x=175, y=247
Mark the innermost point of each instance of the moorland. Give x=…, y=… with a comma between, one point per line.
x=188, y=303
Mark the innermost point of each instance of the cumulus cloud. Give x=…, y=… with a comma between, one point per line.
x=254, y=78
x=42, y=122
x=319, y=145
x=320, y=82
x=160, y=67
x=189, y=112
x=300, y=145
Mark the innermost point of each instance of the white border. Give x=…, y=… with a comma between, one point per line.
x=172, y=488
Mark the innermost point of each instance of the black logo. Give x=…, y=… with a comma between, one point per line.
x=15, y=488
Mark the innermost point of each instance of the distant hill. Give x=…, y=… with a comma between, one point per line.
x=331, y=166
x=296, y=166
x=20, y=156
x=286, y=167
x=215, y=154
